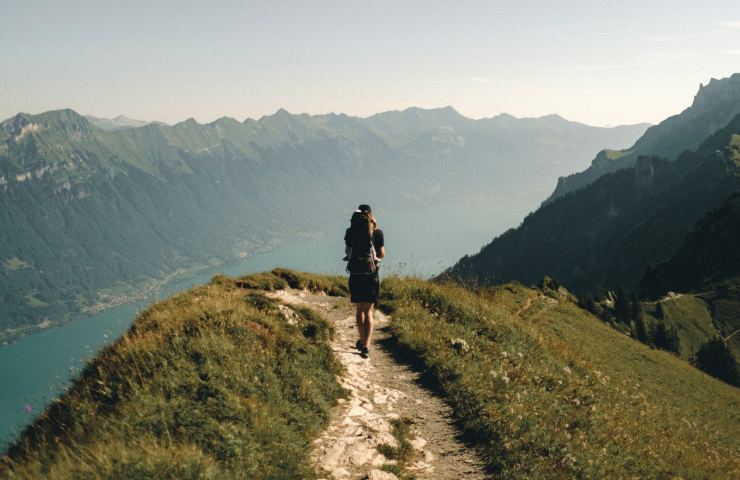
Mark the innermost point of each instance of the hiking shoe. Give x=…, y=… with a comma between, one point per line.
x=364, y=352
x=359, y=345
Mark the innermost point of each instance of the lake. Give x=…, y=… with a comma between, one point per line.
x=37, y=368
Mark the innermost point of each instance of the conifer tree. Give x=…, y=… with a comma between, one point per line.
x=659, y=313
x=622, y=306
x=640, y=331
x=666, y=338
x=586, y=302
x=718, y=361
x=635, y=306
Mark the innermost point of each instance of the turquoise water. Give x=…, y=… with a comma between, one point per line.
x=37, y=368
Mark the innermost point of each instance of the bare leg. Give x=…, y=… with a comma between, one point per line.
x=369, y=323
x=360, y=322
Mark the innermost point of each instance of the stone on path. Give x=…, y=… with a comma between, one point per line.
x=381, y=475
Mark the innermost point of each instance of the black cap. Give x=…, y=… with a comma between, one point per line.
x=364, y=208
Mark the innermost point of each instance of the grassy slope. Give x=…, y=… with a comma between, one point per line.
x=211, y=383
x=554, y=392
x=690, y=315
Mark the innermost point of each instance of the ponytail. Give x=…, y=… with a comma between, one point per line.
x=362, y=226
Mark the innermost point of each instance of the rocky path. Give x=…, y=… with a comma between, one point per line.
x=382, y=390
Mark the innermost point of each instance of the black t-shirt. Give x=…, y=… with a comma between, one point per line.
x=360, y=249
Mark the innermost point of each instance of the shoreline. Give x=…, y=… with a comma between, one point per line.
x=145, y=291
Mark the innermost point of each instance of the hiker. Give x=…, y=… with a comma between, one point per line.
x=364, y=247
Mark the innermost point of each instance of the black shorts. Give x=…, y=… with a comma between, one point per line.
x=364, y=287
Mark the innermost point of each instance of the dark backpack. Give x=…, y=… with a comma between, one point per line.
x=362, y=264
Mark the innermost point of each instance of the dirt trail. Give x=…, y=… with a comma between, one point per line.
x=551, y=302
x=382, y=389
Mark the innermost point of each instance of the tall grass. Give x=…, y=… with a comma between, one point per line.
x=211, y=383
x=280, y=278
x=549, y=391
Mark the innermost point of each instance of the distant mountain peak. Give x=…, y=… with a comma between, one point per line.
x=116, y=123
x=224, y=120
x=61, y=118
x=281, y=112
x=554, y=116
x=504, y=116
x=717, y=91
x=445, y=112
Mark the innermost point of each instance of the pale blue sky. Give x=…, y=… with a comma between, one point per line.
x=599, y=62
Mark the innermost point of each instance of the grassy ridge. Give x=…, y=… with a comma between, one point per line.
x=215, y=383
x=547, y=390
x=211, y=383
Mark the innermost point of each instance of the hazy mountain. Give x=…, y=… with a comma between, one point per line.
x=714, y=105
x=609, y=232
x=86, y=210
x=117, y=123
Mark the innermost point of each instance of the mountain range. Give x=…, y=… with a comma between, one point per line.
x=90, y=214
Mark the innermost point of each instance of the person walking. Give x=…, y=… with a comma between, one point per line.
x=364, y=248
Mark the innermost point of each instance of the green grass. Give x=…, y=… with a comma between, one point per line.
x=690, y=316
x=35, y=302
x=280, y=278
x=15, y=263
x=211, y=383
x=700, y=317
x=725, y=304
x=734, y=148
x=614, y=154
x=403, y=452
x=553, y=392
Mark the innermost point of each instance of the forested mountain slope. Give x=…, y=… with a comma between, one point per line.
x=608, y=233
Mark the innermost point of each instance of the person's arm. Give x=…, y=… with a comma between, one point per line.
x=379, y=244
x=347, y=248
